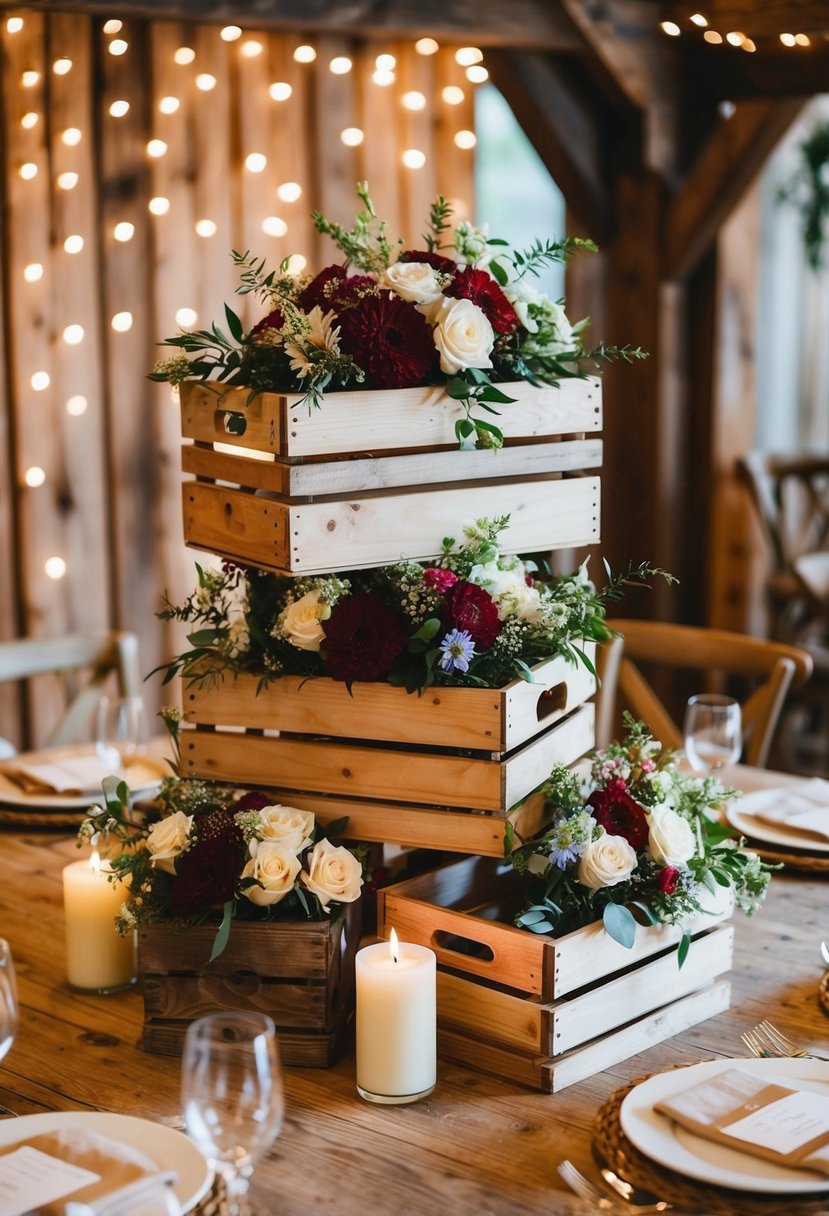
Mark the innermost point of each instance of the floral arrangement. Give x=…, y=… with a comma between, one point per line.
x=205, y=852
x=474, y=618
x=638, y=840
x=461, y=312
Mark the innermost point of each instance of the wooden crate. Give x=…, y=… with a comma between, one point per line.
x=443, y=770
x=301, y=973
x=372, y=477
x=548, y=1012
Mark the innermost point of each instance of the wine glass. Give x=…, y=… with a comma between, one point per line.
x=231, y=1086
x=120, y=730
x=713, y=732
x=8, y=999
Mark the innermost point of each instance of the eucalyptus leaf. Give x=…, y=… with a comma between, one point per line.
x=620, y=924
x=682, y=949
x=223, y=932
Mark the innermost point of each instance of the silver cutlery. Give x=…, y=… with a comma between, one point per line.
x=766, y=1041
x=587, y=1190
x=824, y=952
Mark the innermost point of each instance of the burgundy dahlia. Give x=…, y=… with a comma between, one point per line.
x=473, y=609
x=620, y=815
x=274, y=320
x=481, y=289
x=389, y=339
x=668, y=879
x=439, y=580
x=364, y=636
x=436, y=260
x=334, y=289
x=206, y=874
x=253, y=800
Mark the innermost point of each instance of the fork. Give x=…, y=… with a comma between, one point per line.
x=604, y=1203
x=765, y=1040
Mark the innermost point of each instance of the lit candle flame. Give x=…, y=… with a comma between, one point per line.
x=394, y=946
x=95, y=862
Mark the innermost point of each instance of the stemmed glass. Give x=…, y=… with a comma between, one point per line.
x=8, y=999
x=713, y=732
x=120, y=729
x=231, y=1086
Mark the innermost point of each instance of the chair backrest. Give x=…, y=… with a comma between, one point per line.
x=773, y=667
x=98, y=654
x=791, y=494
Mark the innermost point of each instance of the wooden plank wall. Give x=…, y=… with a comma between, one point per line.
x=106, y=503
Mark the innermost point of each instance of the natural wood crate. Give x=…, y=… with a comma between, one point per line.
x=548, y=1012
x=299, y=972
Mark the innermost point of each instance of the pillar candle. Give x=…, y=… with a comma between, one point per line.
x=396, y=1022
x=98, y=958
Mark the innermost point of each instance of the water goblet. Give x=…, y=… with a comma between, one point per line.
x=120, y=730
x=712, y=731
x=8, y=999
x=231, y=1086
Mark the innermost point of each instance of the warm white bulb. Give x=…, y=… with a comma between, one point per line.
x=297, y=263
x=733, y=37
x=61, y=66
x=787, y=39
x=386, y=63
x=67, y=181
x=465, y=139
x=159, y=205
x=414, y=100
x=289, y=192
x=29, y=120
x=352, y=137
x=340, y=65
x=28, y=170
x=118, y=46
x=113, y=26
x=33, y=273
x=427, y=46
x=124, y=231
x=280, y=90
x=121, y=322
x=156, y=148
x=206, y=81
x=55, y=567
x=749, y=45
x=119, y=108
x=413, y=158
x=383, y=77
x=305, y=54
x=467, y=55
x=76, y=405
x=29, y=79
x=256, y=162
x=205, y=228
x=803, y=40
x=452, y=95
x=477, y=74
x=230, y=33
x=251, y=48
x=40, y=381
x=74, y=243
x=670, y=28
x=169, y=105
x=34, y=476
x=713, y=37
x=184, y=54
x=73, y=335
x=72, y=136
x=272, y=225
x=186, y=317
x=14, y=25
x=699, y=20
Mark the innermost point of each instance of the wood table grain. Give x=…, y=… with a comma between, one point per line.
x=477, y=1145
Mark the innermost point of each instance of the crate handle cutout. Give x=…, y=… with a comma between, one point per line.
x=467, y=947
x=231, y=422
x=245, y=981
x=551, y=701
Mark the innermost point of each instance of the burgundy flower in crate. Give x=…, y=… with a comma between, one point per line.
x=253, y=800
x=668, y=879
x=334, y=289
x=619, y=815
x=436, y=260
x=472, y=609
x=390, y=340
x=438, y=579
x=206, y=874
x=363, y=637
x=481, y=289
x=274, y=320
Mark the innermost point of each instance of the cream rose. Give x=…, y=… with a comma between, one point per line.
x=509, y=589
x=463, y=336
x=413, y=281
x=671, y=838
x=606, y=862
x=167, y=839
x=274, y=869
x=286, y=826
x=301, y=621
x=333, y=874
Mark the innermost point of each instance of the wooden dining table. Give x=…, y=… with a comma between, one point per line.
x=477, y=1145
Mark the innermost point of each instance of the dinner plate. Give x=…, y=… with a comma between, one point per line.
x=742, y=816
x=169, y=1149
x=678, y=1149
x=144, y=775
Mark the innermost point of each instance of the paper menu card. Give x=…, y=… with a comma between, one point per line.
x=56, y=772
x=745, y=1112
x=802, y=808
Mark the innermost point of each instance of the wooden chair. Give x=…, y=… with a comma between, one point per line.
x=773, y=667
x=84, y=663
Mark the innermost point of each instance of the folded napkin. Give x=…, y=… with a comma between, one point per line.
x=742, y=1111
x=58, y=772
x=801, y=808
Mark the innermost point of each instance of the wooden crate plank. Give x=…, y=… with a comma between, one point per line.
x=532, y=764
x=289, y=954
x=300, y=1004
x=491, y=1015
x=297, y=1049
x=529, y=706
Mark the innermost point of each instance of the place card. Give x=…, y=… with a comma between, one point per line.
x=29, y=1179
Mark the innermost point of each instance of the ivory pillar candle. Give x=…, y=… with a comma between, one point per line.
x=98, y=958
x=396, y=1022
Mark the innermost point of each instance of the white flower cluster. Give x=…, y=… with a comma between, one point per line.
x=609, y=860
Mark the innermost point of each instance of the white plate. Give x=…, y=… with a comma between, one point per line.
x=679, y=1149
x=144, y=775
x=742, y=816
x=169, y=1149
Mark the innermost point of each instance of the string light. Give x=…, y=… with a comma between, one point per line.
x=452, y=95
x=413, y=158
x=749, y=45
x=256, y=162
x=427, y=46
x=33, y=273
x=340, y=65
x=205, y=81
x=122, y=322
x=280, y=90
x=124, y=231
x=76, y=405
x=119, y=108
x=352, y=137
x=34, y=476
x=251, y=48
x=169, y=105
x=73, y=244
x=118, y=46
x=734, y=37
x=55, y=567
x=73, y=335
x=186, y=317
x=477, y=74
x=385, y=63
x=289, y=192
x=305, y=54
x=787, y=39
x=67, y=181
x=467, y=55
x=713, y=37
x=230, y=33
x=205, y=228
x=184, y=55
x=670, y=28
x=465, y=139
x=272, y=225
x=156, y=148
x=40, y=381
x=699, y=20
x=297, y=263
x=72, y=136
x=803, y=40
x=28, y=170
x=159, y=205
x=29, y=79
x=29, y=120
x=14, y=25
x=383, y=77
x=62, y=66
x=414, y=100
x=113, y=26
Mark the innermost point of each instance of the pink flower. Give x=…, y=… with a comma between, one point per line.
x=668, y=879
x=439, y=580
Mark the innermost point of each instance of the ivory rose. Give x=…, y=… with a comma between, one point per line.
x=167, y=840
x=670, y=838
x=301, y=621
x=463, y=336
x=606, y=862
x=506, y=582
x=333, y=874
x=286, y=826
x=413, y=281
x=274, y=869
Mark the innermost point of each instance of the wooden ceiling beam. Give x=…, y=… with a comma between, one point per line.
x=725, y=73
x=759, y=18
x=631, y=55
x=727, y=164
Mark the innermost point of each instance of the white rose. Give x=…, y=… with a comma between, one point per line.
x=606, y=862
x=274, y=869
x=521, y=295
x=509, y=589
x=167, y=839
x=333, y=874
x=463, y=336
x=287, y=826
x=413, y=281
x=671, y=838
x=565, y=339
x=300, y=621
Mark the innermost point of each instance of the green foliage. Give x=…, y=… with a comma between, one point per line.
x=809, y=192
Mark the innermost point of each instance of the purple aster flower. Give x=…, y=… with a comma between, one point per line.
x=563, y=855
x=457, y=648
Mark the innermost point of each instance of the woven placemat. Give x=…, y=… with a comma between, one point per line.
x=22, y=817
x=823, y=995
x=611, y=1145
x=815, y=863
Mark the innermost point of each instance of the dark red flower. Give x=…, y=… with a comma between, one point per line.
x=620, y=815
x=668, y=879
x=334, y=289
x=363, y=637
x=207, y=873
x=481, y=289
x=274, y=320
x=389, y=339
x=473, y=609
x=253, y=800
x=439, y=580
x=436, y=260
